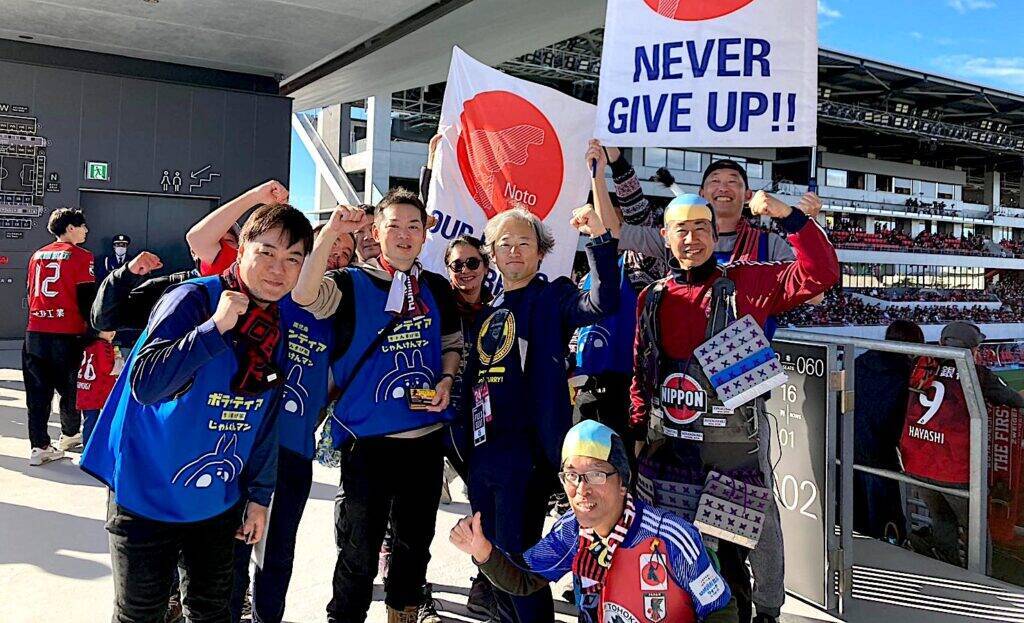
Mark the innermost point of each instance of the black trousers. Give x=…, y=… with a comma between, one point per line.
x=733, y=561
x=270, y=585
x=384, y=477
x=144, y=553
x=50, y=362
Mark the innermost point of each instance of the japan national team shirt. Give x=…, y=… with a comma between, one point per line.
x=54, y=274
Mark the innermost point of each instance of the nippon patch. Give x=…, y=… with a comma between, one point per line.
x=708, y=587
x=653, y=573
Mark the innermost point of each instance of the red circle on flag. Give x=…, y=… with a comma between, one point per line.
x=509, y=154
x=682, y=398
x=695, y=10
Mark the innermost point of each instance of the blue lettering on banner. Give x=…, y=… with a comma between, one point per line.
x=665, y=61
x=449, y=227
x=727, y=110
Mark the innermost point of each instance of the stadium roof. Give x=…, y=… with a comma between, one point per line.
x=265, y=37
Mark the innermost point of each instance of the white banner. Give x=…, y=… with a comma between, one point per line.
x=507, y=143
x=709, y=73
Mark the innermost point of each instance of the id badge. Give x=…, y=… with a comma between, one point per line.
x=481, y=413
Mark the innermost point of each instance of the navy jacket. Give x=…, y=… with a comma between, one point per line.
x=557, y=309
x=878, y=421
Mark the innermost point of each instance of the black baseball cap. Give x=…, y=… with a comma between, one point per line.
x=730, y=165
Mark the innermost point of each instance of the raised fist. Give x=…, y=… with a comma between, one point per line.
x=810, y=204
x=346, y=220
x=587, y=221
x=229, y=308
x=764, y=204
x=468, y=536
x=144, y=263
x=270, y=192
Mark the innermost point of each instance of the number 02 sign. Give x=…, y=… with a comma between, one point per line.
x=803, y=450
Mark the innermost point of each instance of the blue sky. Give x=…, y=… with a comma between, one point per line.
x=974, y=40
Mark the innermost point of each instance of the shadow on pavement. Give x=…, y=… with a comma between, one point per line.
x=63, y=471
x=46, y=538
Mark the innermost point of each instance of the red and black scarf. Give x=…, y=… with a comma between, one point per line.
x=257, y=333
x=594, y=555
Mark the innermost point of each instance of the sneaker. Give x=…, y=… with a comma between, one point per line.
x=174, y=613
x=481, y=598
x=45, y=455
x=66, y=443
x=427, y=612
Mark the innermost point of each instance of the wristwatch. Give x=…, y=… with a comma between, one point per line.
x=446, y=374
x=603, y=238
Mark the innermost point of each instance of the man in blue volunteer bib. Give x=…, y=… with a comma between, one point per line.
x=397, y=337
x=187, y=441
x=629, y=561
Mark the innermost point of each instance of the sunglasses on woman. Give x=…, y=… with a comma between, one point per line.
x=472, y=263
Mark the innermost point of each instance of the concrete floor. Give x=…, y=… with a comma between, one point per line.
x=54, y=563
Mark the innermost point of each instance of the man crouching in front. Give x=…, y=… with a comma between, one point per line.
x=630, y=561
x=187, y=441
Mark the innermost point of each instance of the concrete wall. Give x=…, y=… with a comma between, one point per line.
x=212, y=143
x=894, y=169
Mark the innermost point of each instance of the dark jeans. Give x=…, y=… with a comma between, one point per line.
x=270, y=586
x=144, y=554
x=50, y=362
x=382, y=477
x=512, y=502
x=878, y=507
x=89, y=417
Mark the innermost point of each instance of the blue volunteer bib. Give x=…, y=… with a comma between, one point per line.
x=309, y=343
x=181, y=459
x=376, y=399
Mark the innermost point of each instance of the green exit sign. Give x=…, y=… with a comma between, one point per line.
x=97, y=171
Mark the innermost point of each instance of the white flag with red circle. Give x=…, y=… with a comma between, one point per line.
x=709, y=73
x=506, y=143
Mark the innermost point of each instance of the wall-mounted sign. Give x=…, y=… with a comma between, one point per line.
x=7, y=222
x=99, y=171
x=14, y=235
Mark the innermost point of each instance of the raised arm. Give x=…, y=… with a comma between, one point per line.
x=344, y=220
x=785, y=285
x=204, y=237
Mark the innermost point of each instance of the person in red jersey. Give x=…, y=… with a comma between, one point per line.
x=214, y=239
x=96, y=376
x=61, y=286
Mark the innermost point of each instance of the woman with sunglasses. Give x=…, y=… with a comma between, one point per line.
x=467, y=269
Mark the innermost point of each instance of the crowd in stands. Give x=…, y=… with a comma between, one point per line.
x=841, y=308
x=938, y=295
x=930, y=207
x=848, y=236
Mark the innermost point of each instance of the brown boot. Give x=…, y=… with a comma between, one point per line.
x=406, y=615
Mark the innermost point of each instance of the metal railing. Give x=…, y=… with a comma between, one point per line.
x=977, y=492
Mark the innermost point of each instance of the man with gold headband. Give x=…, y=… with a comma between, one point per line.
x=698, y=451
x=630, y=562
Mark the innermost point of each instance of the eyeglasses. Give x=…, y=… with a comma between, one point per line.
x=595, y=477
x=472, y=263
